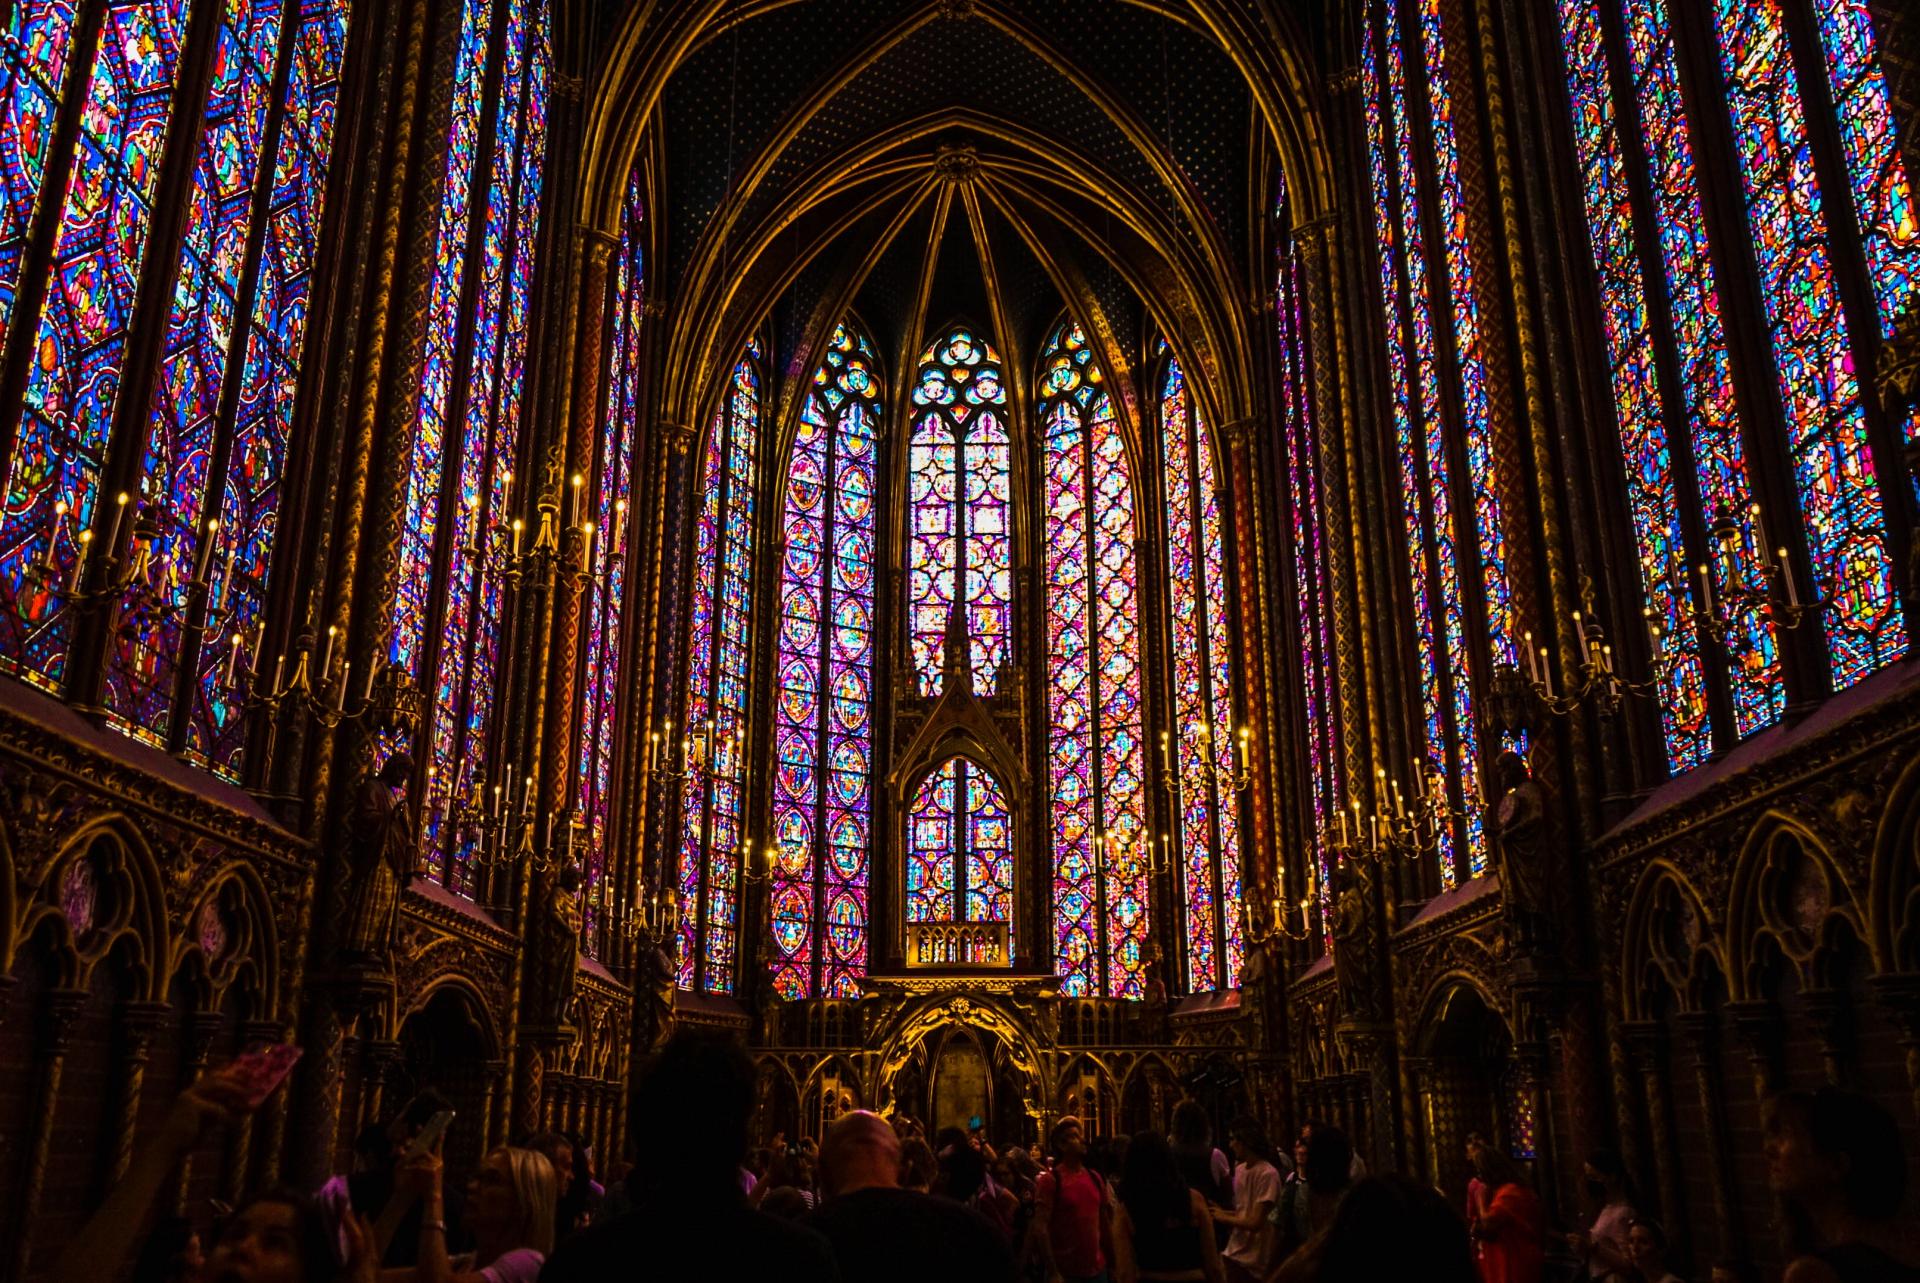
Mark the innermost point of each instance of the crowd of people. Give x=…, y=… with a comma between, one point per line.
x=878, y=1199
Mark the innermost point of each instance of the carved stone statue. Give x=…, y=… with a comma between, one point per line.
x=379, y=859
x=558, y=965
x=1353, y=942
x=1517, y=824
x=654, y=1016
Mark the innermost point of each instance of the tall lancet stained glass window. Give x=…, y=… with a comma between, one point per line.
x=1199, y=750
x=1096, y=753
x=823, y=718
x=718, y=655
x=604, y=597
x=959, y=857
x=1813, y=354
x=197, y=530
x=1312, y=584
x=1423, y=466
x=960, y=504
x=450, y=596
x=1883, y=199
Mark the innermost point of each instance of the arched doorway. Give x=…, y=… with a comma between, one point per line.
x=1467, y=1085
x=445, y=1045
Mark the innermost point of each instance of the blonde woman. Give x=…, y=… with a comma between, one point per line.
x=509, y=1212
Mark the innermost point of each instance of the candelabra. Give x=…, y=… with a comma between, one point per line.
x=143, y=579
x=389, y=698
x=564, y=550
x=1237, y=778
x=1278, y=925
x=1404, y=831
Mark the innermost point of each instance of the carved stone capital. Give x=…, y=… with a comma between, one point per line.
x=1646, y=1040
x=57, y=1018
x=956, y=163
x=679, y=436
x=597, y=243
x=1345, y=80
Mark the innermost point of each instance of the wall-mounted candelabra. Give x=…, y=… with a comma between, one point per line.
x=1278, y=922
x=1755, y=577
x=561, y=548
x=1404, y=829
x=1237, y=778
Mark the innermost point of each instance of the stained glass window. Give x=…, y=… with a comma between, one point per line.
x=959, y=857
x=1699, y=338
x=75, y=377
x=1096, y=757
x=1814, y=362
x=1637, y=395
x=603, y=603
x=823, y=722
x=36, y=47
x=1199, y=750
x=450, y=604
x=1470, y=343
x=269, y=375
x=719, y=649
x=1424, y=467
x=959, y=491
x=1313, y=590
x=221, y=409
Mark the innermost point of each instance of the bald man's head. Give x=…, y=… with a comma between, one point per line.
x=860, y=1152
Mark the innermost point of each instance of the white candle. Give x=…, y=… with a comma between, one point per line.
x=573, y=500
x=1786, y=577
x=1533, y=670
x=205, y=559
x=233, y=658
x=586, y=550
x=119, y=515
x=1706, y=588
x=226, y=576
x=59, y=519
x=340, y=700
x=619, y=528
x=326, y=655
x=518, y=527
x=80, y=561
x=506, y=491
x=279, y=667
x=373, y=671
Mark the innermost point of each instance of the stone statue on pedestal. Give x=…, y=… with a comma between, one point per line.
x=558, y=957
x=379, y=859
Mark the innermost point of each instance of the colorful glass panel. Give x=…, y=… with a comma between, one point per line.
x=603, y=602
x=1206, y=841
x=468, y=655
x=1096, y=759
x=717, y=670
x=74, y=380
x=1427, y=488
x=1883, y=200
x=415, y=584
x=1313, y=592
x=193, y=365
x=823, y=719
x=36, y=52
x=959, y=857
x=1826, y=423
x=959, y=492
x=269, y=377
x=1699, y=336
x=1470, y=349
x=1637, y=395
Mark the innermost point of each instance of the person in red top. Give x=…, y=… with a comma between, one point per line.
x=1512, y=1231
x=1071, y=1211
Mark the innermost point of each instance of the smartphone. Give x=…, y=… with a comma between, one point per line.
x=259, y=1070
x=430, y=1134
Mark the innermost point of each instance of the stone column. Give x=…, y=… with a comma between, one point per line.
x=1703, y=1054
x=1757, y=1025
x=138, y=1023
x=1647, y=1042
x=63, y=1006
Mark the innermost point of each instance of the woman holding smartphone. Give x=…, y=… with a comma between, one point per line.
x=509, y=1212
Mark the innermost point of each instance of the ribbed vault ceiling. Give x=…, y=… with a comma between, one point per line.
x=1001, y=160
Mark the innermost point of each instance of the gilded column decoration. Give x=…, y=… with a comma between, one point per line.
x=139, y=1021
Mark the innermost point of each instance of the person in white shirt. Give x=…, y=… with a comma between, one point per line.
x=1256, y=1188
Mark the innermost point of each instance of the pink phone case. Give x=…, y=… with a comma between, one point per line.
x=262, y=1069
